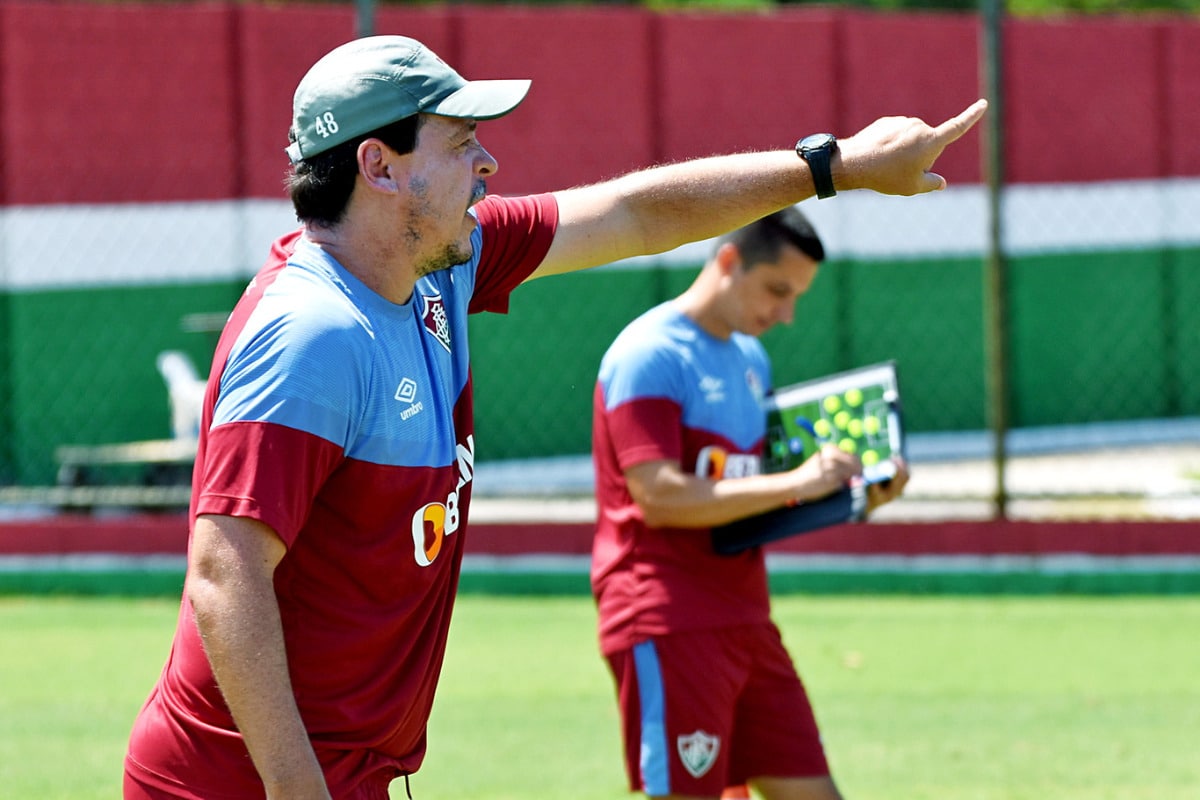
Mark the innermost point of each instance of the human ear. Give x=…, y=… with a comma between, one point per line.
x=728, y=258
x=375, y=166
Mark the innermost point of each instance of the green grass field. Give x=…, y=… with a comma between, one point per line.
x=981, y=698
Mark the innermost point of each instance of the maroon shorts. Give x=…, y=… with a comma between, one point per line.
x=709, y=709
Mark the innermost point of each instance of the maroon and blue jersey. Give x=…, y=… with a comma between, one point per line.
x=669, y=390
x=344, y=422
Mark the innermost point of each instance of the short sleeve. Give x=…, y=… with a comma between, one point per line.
x=516, y=234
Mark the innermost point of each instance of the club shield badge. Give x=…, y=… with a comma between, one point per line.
x=434, y=317
x=698, y=752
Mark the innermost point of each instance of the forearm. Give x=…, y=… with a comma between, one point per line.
x=679, y=203
x=244, y=641
x=703, y=503
x=231, y=590
x=658, y=209
x=707, y=197
x=670, y=498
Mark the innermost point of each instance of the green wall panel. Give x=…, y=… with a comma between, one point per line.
x=924, y=314
x=1088, y=338
x=1184, y=270
x=535, y=367
x=8, y=459
x=1097, y=336
x=82, y=365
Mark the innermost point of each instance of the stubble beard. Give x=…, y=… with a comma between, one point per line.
x=452, y=253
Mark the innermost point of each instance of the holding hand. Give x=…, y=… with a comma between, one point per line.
x=831, y=468
x=886, y=492
x=825, y=472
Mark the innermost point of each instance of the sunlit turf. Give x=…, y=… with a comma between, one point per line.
x=975, y=698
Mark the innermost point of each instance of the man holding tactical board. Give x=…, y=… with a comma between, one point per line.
x=708, y=695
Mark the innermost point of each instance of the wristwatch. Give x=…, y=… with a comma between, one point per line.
x=817, y=150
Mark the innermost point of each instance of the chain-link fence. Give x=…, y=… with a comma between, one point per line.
x=142, y=243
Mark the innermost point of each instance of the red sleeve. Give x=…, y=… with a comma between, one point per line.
x=269, y=473
x=648, y=429
x=517, y=233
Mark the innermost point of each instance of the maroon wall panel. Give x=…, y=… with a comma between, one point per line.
x=1077, y=94
x=733, y=82
x=117, y=103
x=435, y=28
x=920, y=65
x=1182, y=126
x=588, y=115
x=278, y=45
x=192, y=101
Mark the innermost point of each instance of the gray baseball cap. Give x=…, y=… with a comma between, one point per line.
x=371, y=82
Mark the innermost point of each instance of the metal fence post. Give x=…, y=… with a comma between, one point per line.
x=995, y=287
x=364, y=17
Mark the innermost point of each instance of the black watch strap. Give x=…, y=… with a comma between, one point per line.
x=817, y=151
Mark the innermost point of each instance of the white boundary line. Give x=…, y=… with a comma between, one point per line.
x=92, y=562
x=69, y=246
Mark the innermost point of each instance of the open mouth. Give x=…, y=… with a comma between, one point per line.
x=478, y=193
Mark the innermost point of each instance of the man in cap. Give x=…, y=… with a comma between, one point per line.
x=336, y=457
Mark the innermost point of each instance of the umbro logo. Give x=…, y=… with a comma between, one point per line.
x=406, y=392
x=713, y=389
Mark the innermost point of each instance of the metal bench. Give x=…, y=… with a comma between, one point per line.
x=76, y=460
x=88, y=498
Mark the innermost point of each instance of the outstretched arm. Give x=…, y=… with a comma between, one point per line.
x=657, y=209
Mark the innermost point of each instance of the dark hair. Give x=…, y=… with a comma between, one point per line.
x=761, y=241
x=320, y=185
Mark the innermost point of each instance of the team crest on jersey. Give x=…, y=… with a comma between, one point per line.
x=755, y=385
x=433, y=315
x=698, y=752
